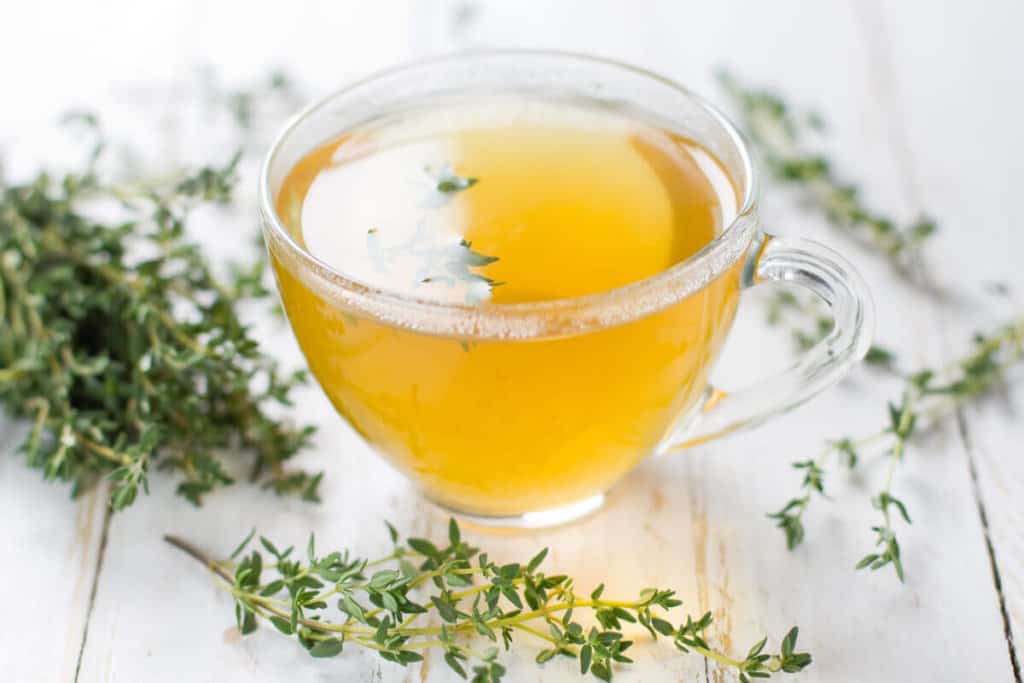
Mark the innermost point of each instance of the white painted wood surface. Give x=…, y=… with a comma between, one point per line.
x=924, y=105
x=958, y=105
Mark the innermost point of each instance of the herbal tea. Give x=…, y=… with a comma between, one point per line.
x=495, y=201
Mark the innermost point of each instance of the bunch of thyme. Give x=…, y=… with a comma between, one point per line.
x=470, y=596
x=928, y=396
x=125, y=348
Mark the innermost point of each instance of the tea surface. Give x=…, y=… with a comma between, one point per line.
x=506, y=200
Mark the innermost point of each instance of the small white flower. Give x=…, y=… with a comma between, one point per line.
x=67, y=437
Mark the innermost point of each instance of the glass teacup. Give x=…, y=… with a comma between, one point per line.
x=525, y=414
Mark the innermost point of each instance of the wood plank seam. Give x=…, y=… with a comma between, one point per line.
x=964, y=432
x=104, y=535
x=877, y=49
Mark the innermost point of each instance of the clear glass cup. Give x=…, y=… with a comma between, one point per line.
x=590, y=385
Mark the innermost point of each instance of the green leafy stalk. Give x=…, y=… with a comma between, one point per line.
x=780, y=137
x=790, y=517
x=903, y=419
x=125, y=348
x=808, y=321
x=928, y=397
x=470, y=597
x=449, y=264
x=262, y=103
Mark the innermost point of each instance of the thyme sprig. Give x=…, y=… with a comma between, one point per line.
x=807, y=321
x=448, y=264
x=928, y=397
x=470, y=596
x=780, y=137
x=439, y=262
x=125, y=348
x=263, y=103
x=445, y=263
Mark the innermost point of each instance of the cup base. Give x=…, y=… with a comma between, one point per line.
x=528, y=520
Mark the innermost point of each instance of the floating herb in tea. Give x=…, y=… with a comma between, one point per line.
x=448, y=182
x=448, y=264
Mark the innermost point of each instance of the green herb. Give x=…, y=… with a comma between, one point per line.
x=997, y=288
x=806, y=318
x=454, y=263
x=928, y=396
x=448, y=264
x=268, y=100
x=780, y=136
x=789, y=517
x=446, y=181
x=123, y=346
x=880, y=357
x=808, y=321
x=469, y=596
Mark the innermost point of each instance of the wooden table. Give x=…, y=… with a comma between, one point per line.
x=925, y=107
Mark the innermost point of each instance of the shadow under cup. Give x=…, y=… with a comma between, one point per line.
x=525, y=414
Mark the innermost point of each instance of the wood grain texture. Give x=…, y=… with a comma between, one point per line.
x=49, y=547
x=957, y=87
x=899, y=86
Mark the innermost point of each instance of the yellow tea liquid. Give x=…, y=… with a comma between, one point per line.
x=494, y=201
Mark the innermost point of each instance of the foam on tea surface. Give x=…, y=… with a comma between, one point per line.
x=505, y=200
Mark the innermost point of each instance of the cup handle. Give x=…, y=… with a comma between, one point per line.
x=825, y=273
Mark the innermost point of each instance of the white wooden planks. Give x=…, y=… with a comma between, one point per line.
x=48, y=554
x=897, y=86
x=958, y=88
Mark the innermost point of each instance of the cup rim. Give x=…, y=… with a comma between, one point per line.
x=520, y=320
